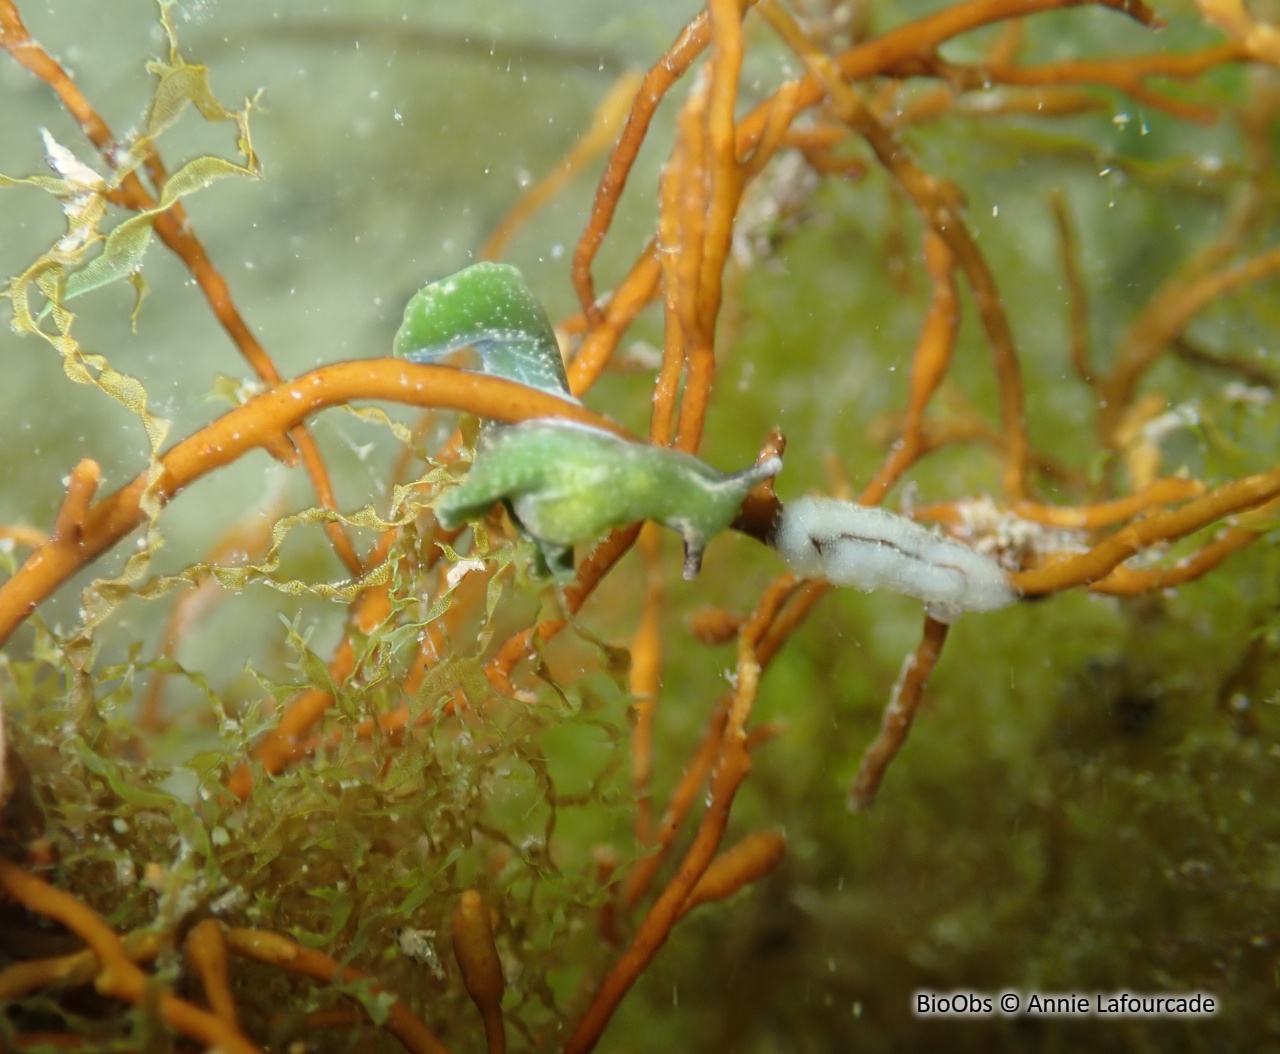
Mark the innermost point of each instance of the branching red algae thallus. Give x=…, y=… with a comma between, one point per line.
x=715, y=164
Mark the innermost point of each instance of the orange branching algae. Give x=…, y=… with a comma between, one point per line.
x=468, y=760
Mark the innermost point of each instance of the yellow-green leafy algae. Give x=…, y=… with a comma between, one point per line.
x=369, y=839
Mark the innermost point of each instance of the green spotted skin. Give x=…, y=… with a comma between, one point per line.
x=490, y=307
x=565, y=483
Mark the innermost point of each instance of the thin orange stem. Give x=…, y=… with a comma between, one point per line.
x=636, y=291
x=81, y=487
x=118, y=976
x=590, y=572
x=685, y=794
x=929, y=364
x=275, y=950
x=1129, y=582
x=1164, y=319
x=1166, y=491
x=207, y=953
x=898, y=715
x=691, y=42
x=1102, y=559
x=738, y=866
x=732, y=766
x=477, y=956
x=646, y=681
x=27, y=537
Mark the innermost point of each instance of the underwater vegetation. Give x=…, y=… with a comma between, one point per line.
x=404, y=725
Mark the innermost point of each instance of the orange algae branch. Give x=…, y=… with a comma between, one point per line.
x=275, y=950
x=1108, y=513
x=930, y=362
x=1167, y=491
x=207, y=953
x=685, y=794
x=1077, y=294
x=1245, y=368
x=683, y=191
x=15, y=39
x=898, y=715
x=882, y=54
x=81, y=487
x=750, y=859
x=969, y=428
x=1102, y=559
x=1260, y=40
x=256, y=424
x=27, y=537
x=726, y=175
x=733, y=764
x=606, y=863
x=691, y=42
x=723, y=179
x=637, y=289
x=938, y=205
x=1127, y=73
x=777, y=133
x=1129, y=582
x=1008, y=44
x=477, y=957
x=702, y=188
x=683, y=797
x=713, y=626
x=1165, y=317
x=77, y=968
x=338, y=1017
x=646, y=681
x=943, y=100
x=118, y=976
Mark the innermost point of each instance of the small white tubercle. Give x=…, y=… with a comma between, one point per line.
x=871, y=549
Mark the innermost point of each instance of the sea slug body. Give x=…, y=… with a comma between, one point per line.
x=872, y=549
x=565, y=483
x=562, y=482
